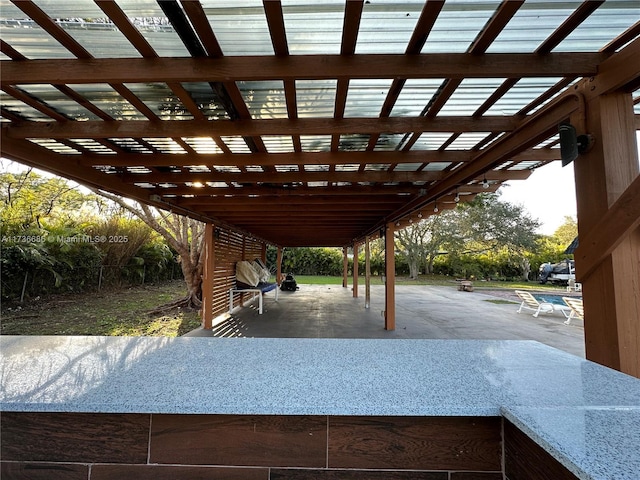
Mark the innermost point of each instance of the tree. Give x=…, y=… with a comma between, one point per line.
x=489, y=224
x=425, y=240
x=566, y=232
x=485, y=225
x=185, y=235
x=29, y=200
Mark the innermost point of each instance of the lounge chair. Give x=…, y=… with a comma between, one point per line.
x=577, y=308
x=529, y=302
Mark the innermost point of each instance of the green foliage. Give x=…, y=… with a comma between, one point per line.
x=566, y=232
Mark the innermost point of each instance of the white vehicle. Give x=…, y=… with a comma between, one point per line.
x=560, y=272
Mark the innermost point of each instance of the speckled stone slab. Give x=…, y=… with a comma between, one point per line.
x=592, y=442
x=533, y=385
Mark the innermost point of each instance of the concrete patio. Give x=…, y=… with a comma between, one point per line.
x=435, y=312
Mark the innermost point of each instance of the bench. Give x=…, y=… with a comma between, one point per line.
x=259, y=289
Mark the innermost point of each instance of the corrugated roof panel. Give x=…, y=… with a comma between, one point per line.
x=365, y=97
x=396, y=19
x=321, y=36
x=240, y=26
x=471, y=93
x=264, y=99
x=316, y=98
x=415, y=96
x=458, y=25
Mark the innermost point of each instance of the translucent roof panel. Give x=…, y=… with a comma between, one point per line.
x=240, y=26
x=407, y=167
x=165, y=145
x=471, y=93
x=90, y=27
x=278, y=143
x=520, y=95
x=396, y=19
x=315, y=143
x=61, y=103
x=236, y=144
x=155, y=27
x=435, y=166
x=458, y=25
x=26, y=36
x=203, y=145
x=22, y=109
x=109, y=101
x=264, y=99
x=93, y=146
x=130, y=145
x=161, y=100
x=365, y=97
x=415, y=96
x=323, y=35
x=353, y=142
x=532, y=24
x=606, y=23
x=206, y=99
x=431, y=140
x=467, y=140
x=388, y=142
x=54, y=146
x=316, y=98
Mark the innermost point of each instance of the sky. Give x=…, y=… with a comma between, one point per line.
x=548, y=195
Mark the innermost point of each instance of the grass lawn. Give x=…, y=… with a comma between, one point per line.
x=125, y=312
x=121, y=312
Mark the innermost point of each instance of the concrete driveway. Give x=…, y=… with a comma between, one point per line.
x=330, y=311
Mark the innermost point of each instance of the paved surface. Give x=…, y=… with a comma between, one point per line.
x=330, y=311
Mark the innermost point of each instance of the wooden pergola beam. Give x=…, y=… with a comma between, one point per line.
x=297, y=67
x=293, y=158
x=297, y=177
x=620, y=220
x=276, y=126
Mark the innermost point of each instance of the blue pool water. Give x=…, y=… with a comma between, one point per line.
x=555, y=299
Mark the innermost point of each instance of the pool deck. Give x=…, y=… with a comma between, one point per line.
x=425, y=312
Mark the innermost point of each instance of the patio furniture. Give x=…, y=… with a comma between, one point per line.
x=530, y=302
x=259, y=289
x=577, y=308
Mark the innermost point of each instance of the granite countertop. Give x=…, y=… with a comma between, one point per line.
x=572, y=407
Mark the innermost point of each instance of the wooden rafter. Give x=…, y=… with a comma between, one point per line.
x=434, y=65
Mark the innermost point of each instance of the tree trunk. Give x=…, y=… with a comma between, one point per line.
x=525, y=268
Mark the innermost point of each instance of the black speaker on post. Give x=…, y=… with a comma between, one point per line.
x=572, y=144
x=568, y=143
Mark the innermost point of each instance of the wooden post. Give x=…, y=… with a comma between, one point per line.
x=279, y=266
x=207, y=277
x=367, y=274
x=263, y=253
x=610, y=290
x=345, y=268
x=390, y=283
x=355, y=270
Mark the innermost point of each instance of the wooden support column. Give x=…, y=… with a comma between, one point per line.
x=355, y=270
x=279, y=266
x=345, y=268
x=367, y=273
x=390, y=275
x=263, y=253
x=611, y=289
x=207, y=276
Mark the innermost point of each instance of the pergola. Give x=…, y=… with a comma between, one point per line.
x=328, y=123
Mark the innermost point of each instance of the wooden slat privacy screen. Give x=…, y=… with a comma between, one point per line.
x=230, y=248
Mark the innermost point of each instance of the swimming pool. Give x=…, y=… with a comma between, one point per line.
x=550, y=298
